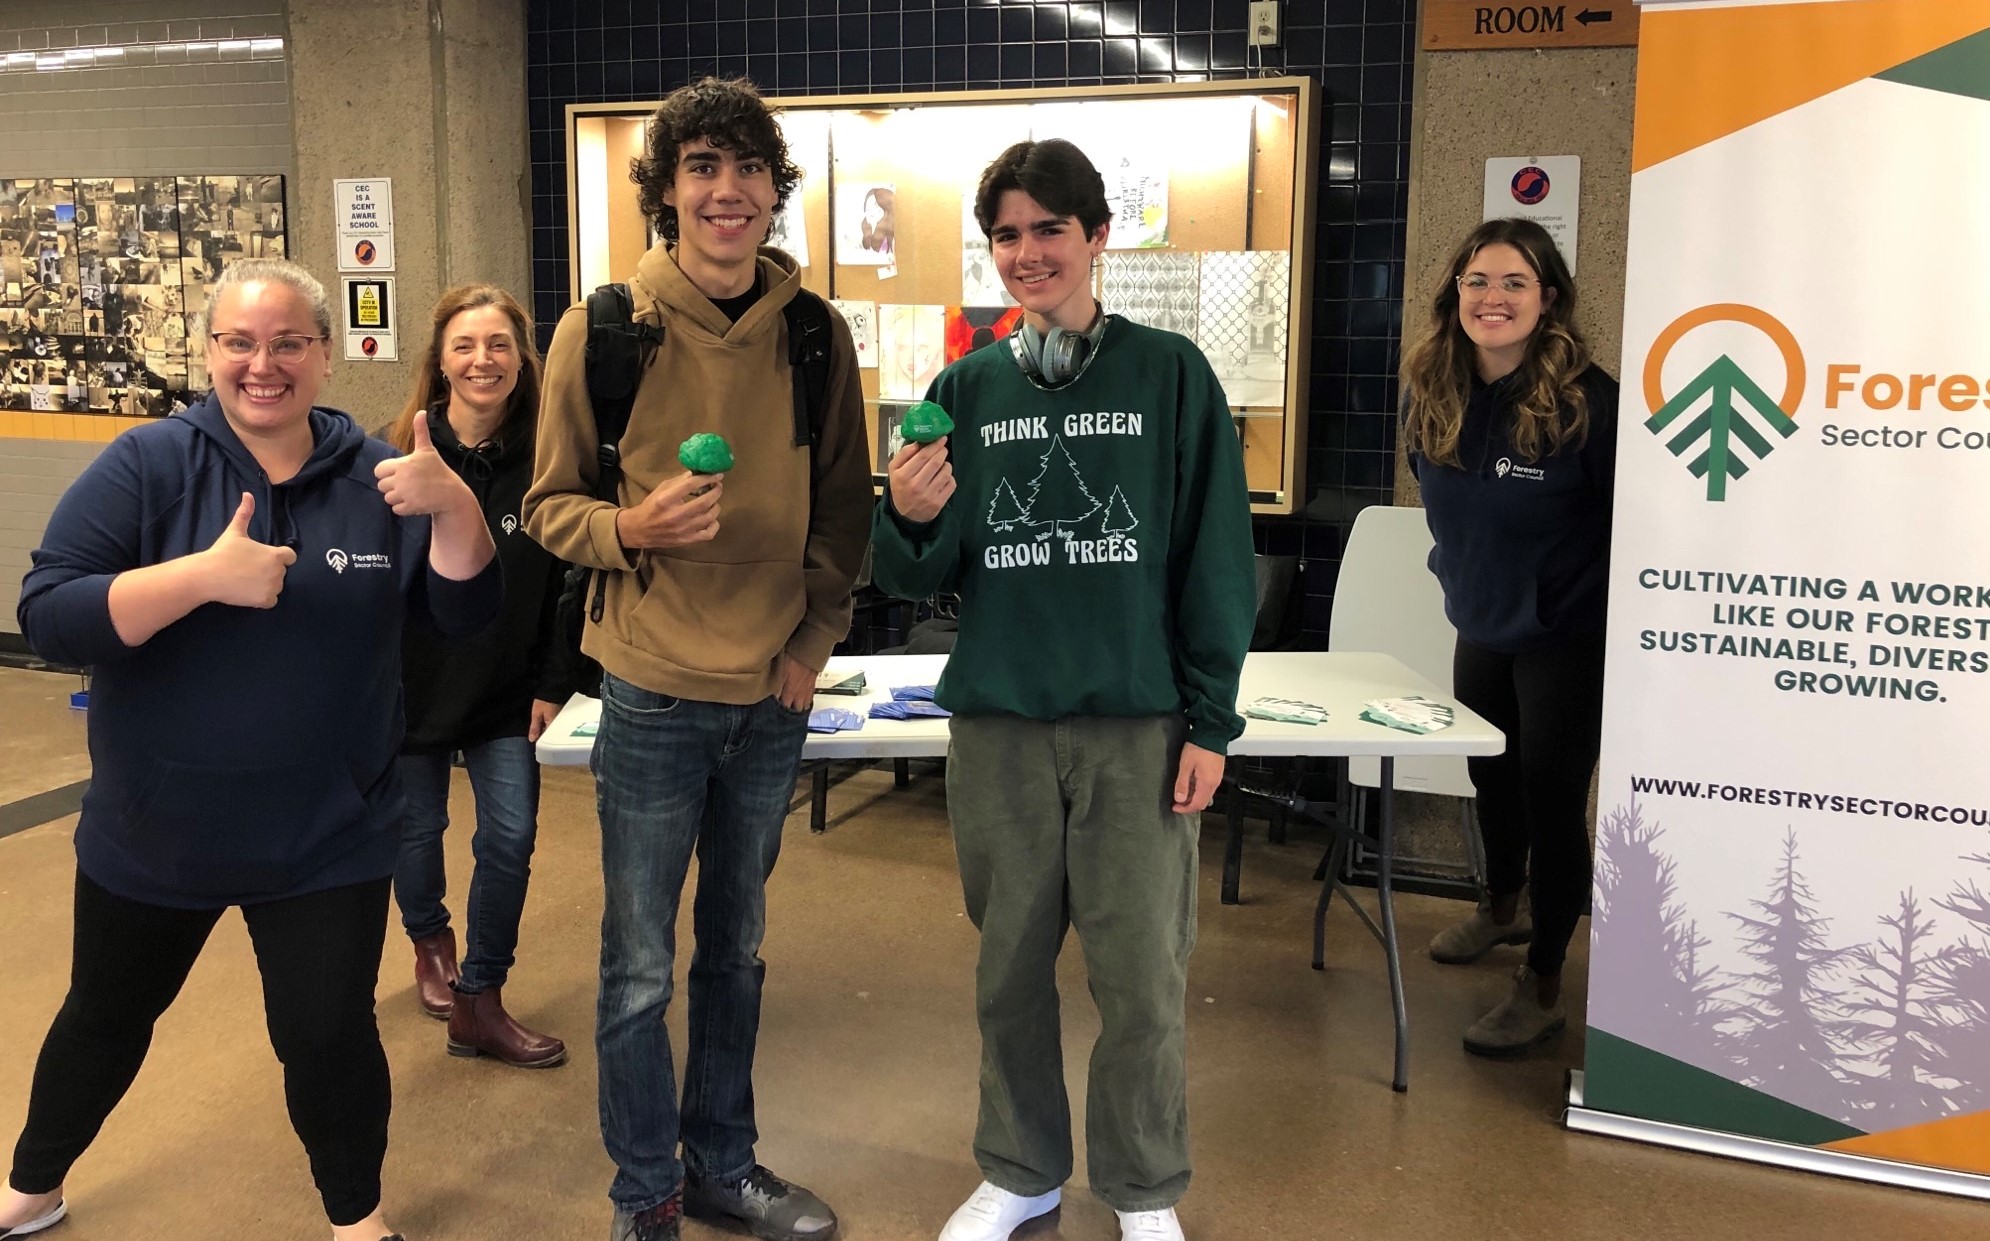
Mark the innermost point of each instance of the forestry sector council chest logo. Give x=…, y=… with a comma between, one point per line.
x=1722, y=397
x=336, y=559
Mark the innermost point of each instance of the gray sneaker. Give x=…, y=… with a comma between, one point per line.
x=659, y=1223
x=1519, y=1023
x=1467, y=941
x=771, y=1208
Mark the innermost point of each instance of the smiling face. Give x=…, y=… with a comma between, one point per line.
x=1499, y=319
x=480, y=360
x=263, y=397
x=1045, y=261
x=724, y=201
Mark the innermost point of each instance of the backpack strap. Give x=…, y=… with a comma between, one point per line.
x=808, y=362
x=618, y=351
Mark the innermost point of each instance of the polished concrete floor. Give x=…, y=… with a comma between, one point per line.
x=866, y=1074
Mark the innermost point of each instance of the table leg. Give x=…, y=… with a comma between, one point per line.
x=901, y=773
x=818, y=802
x=1233, y=848
x=1385, y=862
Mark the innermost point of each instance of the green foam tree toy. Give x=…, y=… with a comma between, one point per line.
x=924, y=423
x=705, y=453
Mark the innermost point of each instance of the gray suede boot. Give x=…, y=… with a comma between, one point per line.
x=1519, y=1023
x=1467, y=941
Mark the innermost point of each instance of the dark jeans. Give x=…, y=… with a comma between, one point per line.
x=319, y=956
x=1534, y=799
x=673, y=776
x=504, y=777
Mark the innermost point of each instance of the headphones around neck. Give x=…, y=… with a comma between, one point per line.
x=1055, y=358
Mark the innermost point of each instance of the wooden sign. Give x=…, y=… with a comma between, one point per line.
x=1473, y=25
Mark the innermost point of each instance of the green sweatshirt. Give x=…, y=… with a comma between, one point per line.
x=1100, y=539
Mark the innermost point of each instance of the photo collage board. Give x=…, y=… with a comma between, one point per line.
x=103, y=285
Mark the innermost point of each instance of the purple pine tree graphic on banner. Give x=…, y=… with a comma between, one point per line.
x=1962, y=984
x=1895, y=1022
x=1058, y=495
x=1657, y=990
x=1785, y=1010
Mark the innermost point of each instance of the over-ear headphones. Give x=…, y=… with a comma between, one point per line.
x=1055, y=358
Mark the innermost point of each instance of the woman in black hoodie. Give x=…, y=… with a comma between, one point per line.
x=486, y=698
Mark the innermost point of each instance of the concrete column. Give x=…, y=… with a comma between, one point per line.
x=430, y=94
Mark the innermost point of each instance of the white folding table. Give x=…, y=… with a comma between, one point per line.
x=1340, y=681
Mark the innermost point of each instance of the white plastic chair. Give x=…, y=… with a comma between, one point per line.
x=1386, y=599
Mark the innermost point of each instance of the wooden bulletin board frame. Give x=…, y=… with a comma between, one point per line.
x=1238, y=159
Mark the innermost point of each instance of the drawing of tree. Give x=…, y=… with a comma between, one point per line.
x=1006, y=513
x=1058, y=495
x=1962, y=986
x=1656, y=989
x=1785, y=1009
x=1895, y=1021
x=1119, y=517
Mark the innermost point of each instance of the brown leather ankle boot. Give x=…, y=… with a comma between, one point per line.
x=435, y=969
x=481, y=1027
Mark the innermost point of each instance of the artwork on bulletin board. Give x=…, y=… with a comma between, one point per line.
x=866, y=225
x=1137, y=193
x=1158, y=288
x=1241, y=316
x=863, y=320
x=911, y=350
x=890, y=415
x=980, y=284
x=103, y=284
x=971, y=327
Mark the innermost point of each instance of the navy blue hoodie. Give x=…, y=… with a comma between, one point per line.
x=1523, y=547
x=241, y=754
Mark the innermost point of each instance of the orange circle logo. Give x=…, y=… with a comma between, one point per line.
x=365, y=252
x=1727, y=312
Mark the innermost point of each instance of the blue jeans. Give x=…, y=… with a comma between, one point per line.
x=672, y=776
x=504, y=776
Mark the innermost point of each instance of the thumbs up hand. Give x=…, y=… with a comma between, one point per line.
x=421, y=482
x=241, y=572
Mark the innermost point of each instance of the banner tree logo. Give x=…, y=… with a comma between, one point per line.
x=1724, y=401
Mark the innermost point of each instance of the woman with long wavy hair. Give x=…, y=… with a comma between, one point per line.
x=1512, y=432
x=486, y=698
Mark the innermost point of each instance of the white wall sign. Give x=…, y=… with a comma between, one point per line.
x=1543, y=189
x=363, y=214
x=369, y=319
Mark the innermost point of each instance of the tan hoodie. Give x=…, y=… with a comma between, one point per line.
x=709, y=621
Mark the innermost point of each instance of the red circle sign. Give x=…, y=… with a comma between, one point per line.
x=365, y=252
x=369, y=346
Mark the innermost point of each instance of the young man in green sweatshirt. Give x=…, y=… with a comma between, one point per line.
x=1090, y=510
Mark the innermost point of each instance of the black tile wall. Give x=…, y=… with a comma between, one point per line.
x=1360, y=51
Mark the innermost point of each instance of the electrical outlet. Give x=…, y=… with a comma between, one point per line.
x=1264, y=23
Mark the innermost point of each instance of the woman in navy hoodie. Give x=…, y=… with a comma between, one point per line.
x=1512, y=432
x=487, y=698
x=237, y=578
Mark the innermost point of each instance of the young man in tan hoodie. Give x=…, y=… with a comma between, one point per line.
x=725, y=595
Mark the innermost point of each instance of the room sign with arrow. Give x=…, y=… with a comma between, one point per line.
x=1471, y=25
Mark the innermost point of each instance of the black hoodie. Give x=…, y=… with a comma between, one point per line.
x=463, y=692
x=241, y=754
x=1523, y=547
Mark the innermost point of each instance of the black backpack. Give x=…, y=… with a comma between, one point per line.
x=618, y=353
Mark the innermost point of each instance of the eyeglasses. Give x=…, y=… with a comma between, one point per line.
x=1476, y=285
x=283, y=349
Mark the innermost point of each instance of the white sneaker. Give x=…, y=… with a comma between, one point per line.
x=991, y=1214
x=1149, y=1225
x=50, y=1219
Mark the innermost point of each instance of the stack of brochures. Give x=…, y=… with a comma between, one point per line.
x=840, y=681
x=1286, y=711
x=1414, y=714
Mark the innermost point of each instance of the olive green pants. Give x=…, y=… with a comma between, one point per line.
x=1069, y=824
